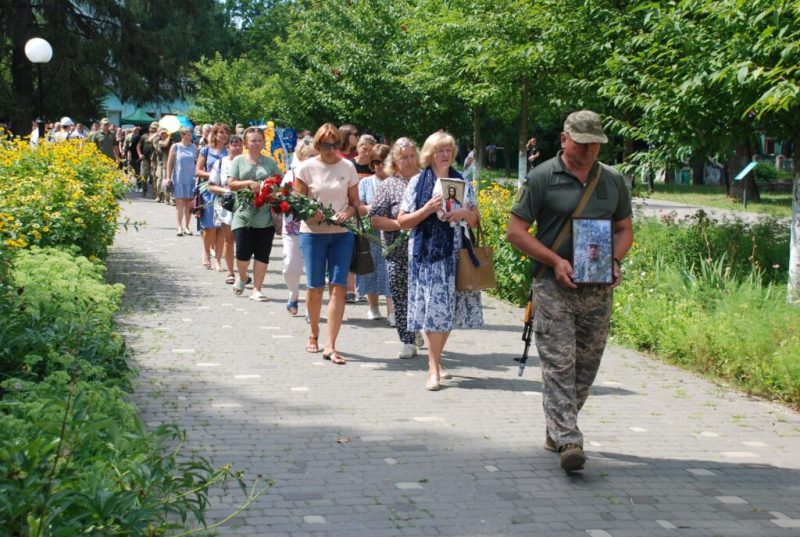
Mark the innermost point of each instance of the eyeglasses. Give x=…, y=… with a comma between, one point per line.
x=325, y=146
x=376, y=162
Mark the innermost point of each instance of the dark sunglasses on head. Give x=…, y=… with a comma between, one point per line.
x=325, y=146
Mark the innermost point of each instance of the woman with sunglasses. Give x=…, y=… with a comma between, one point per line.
x=348, y=138
x=377, y=282
x=180, y=174
x=327, y=248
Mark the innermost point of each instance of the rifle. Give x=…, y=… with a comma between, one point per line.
x=527, y=332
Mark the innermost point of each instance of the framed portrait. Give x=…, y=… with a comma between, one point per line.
x=452, y=191
x=592, y=251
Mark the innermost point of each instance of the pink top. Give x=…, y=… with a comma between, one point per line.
x=328, y=184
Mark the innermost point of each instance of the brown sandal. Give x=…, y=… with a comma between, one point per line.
x=312, y=345
x=334, y=358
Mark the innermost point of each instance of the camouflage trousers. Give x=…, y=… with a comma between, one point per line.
x=571, y=327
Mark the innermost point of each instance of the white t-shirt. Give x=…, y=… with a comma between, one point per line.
x=328, y=184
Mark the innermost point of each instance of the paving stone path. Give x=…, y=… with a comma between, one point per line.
x=364, y=450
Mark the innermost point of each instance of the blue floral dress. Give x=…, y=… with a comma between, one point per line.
x=434, y=305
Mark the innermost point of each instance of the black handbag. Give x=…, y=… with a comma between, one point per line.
x=362, y=262
x=228, y=201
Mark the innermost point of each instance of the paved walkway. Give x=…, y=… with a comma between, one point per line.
x=364, y=450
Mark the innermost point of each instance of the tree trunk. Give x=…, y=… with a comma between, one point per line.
x=21, y=29
x=476, y=140
x=698, y=164
x=744, y=156
x=793, y=292
x=522, y=139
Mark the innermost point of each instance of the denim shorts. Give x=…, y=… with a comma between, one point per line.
x=327, y=252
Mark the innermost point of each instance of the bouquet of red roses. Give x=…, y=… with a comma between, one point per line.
x=283, y=200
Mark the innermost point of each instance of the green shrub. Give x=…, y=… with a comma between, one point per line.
x=59, y=317
x=74, y=457
x=512, y=269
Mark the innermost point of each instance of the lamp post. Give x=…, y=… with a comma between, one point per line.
x=39, y=51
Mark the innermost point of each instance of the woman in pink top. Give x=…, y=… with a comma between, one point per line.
x=327, y=248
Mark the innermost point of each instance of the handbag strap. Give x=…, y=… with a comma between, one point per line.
x=562, y=234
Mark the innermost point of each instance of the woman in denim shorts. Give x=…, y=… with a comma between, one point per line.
x=327, y=248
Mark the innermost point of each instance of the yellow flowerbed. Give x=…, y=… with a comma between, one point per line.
x=57, y=194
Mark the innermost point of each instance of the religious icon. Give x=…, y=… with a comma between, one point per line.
x=452, y=191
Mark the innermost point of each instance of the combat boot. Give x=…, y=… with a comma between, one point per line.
x=572, y=457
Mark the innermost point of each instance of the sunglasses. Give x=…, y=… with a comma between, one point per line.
x=325, y=146
x=376, y=162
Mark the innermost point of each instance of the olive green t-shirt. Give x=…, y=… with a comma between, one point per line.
x=551, y=194
x=242, y=170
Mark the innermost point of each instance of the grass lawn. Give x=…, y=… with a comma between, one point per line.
x=772, y=203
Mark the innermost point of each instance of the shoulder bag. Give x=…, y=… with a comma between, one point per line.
x=472, y=276
x=362, y=262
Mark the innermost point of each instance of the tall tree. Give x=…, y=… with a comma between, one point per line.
x=139, y=49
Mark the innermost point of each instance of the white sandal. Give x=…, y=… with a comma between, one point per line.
x=258, y=297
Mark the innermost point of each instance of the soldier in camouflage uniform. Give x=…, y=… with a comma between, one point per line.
x=571, y=322
x=592, y=267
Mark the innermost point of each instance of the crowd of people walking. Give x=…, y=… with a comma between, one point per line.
x=390, y=188
x=399, y=189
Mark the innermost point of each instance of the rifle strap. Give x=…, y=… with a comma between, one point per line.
x=565, y=229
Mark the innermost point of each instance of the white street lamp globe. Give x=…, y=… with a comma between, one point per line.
x=37, y=50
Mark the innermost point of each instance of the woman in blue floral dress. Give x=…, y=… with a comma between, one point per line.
x=434, y=305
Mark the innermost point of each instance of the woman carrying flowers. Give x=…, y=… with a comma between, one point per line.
x=434, y=305
x=252, y=226
x=327, y=248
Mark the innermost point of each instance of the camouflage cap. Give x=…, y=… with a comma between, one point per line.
x=585, y=127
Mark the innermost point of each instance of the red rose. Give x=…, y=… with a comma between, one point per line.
x=284, y=192
x=284, y=207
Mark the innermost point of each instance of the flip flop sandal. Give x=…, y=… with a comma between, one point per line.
x=230, y=279
x=313, y=344
x=334, y=358
x=238, y=288
x=291, y=307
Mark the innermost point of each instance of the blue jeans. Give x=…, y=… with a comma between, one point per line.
x=331, y=251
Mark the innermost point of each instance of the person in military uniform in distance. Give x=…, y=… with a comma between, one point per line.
x=571, y=322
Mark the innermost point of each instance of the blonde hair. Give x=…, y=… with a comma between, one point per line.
x=401, y=144
x=305, y=148
x=325, y=130
x=435, y=141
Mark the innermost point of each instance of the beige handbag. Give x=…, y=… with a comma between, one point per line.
x=475, y=278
